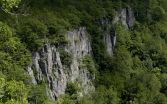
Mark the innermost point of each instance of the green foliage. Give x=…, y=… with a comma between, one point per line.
x=2, y=85
x=72, y=88
x=135, y=74
x=33, y=33
x=66, y=99
x=66, y=57
x=13, y=92
x=57, y=28
x=14, y=56
x=5, y=32
x=88, y=63
x=38, y=95
x=142, y=88
x=16, y=90
x=101, y=96
x=9, y=4
x=102, y=59
x=163, y=81
x=71, y=96
x=159, y=13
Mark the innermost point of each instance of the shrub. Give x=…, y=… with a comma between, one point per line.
x=72, y=88
x=57, y=35
x=5, y=32
x=158, y=13
x=33, y=33
x=13, y=54
x=66, y=57
x=38, y=94
x=88, y=63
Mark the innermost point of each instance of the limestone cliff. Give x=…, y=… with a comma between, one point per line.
x=47, y=65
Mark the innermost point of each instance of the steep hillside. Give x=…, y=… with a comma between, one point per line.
x=83, y=52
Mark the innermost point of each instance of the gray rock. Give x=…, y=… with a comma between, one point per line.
x=126, y=18
x=48, y=67
x=47, y=64
x=130, y=17
x=31, y=74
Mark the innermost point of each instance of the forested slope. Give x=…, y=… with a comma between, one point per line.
x=118, y=49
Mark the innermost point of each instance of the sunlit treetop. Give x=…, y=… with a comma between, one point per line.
x=8, y=5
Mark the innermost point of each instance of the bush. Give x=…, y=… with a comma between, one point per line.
x=57, y=36
x=72, y=88
x=13, y=54
x=158, y=13
x=101, y=96
x=5, y=32
x=38, y=94
x=33, y=33
x=66, y=57
x=66, y=99
x=12, y=92
x=88, y=63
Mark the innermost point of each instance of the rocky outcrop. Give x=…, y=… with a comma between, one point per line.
x=110, y=41
x=47, y=65
x=126, y=18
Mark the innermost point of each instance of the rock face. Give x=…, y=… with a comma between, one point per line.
x=47, y=65
x=126, y=18
x=110, y=41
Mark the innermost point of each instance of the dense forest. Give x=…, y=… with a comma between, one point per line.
x=136, y=73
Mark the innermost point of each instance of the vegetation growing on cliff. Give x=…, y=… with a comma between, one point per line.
x=135, y=74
